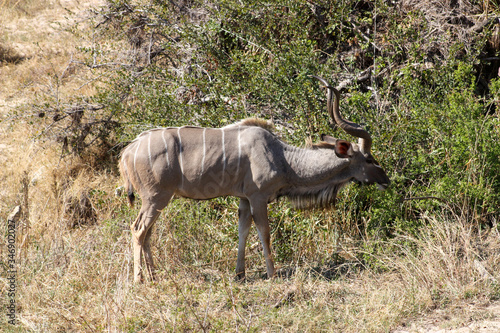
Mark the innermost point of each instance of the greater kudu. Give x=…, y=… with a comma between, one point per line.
x=245, y=160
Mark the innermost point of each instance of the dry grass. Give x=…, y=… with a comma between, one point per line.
x=80, y=280
x=74, y=254
x=37, y=51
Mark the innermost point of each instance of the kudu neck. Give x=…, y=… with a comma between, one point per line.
x=310, y=167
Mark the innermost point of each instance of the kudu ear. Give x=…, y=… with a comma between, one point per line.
x=343, y=149
x=328, y=139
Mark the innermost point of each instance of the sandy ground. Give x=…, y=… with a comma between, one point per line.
x=473, y=318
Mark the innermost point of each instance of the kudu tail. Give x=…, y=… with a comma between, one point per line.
x=127, y=183
x=130, y=196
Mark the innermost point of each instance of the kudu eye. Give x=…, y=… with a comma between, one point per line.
x=371, y=160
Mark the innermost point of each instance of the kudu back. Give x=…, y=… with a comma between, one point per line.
x=245, y=160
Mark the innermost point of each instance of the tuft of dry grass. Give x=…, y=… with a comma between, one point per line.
x=9, y=55
x=455, y=260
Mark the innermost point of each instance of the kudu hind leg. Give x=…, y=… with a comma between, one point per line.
x=148, y=257
x=141, y=235
x=244, y=224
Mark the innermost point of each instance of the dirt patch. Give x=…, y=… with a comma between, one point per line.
x=462, y=319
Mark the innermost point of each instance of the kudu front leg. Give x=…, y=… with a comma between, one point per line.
x=244, y=224
x=259, y=213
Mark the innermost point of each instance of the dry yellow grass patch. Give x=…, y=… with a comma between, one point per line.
x=39, y=50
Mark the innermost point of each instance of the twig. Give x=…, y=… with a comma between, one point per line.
x=365, y=37
x=363, y=76
x=427, y=198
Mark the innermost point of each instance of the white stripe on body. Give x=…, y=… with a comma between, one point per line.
x=239, y=152
x=135, y=154
x=223, y=157
x=204, y=151
x=166, y=147
x=149, y=152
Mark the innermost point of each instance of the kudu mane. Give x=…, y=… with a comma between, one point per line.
x=267, y=125
x=323, y=197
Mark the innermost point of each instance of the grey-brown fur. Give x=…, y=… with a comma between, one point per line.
x=245, y=160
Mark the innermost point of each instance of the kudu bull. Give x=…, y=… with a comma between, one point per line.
x=245, y=160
